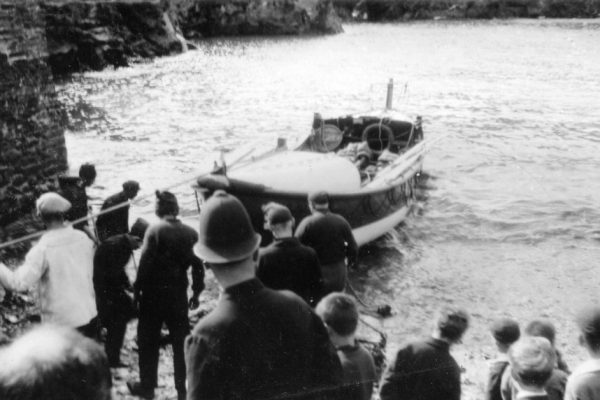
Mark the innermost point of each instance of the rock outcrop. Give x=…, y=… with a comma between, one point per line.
x=198, y=18
x=91, y=36
x=392, y=10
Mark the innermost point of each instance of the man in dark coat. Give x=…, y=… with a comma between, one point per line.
x=114, y=293
x=257, y=343
x=161, y=287
x=117, y=221
x=331, y=237
x=286, y=263
x=424, y=369
x=73, y=189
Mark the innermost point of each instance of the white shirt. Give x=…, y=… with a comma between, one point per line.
x=584, y=382
x=62, y=263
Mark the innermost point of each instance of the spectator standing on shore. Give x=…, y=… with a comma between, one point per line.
x=584, y=383
x=545, y=328
x=114, y=293
x=286, y=263
x=161, y=288
x=54, y=363
x=117, y=221
x=505, y=332
x=424, y=369
x=338, y=312
x=532, y=360
x=73, y=189
x=331, y=237
x=257, y=343
x=61, y=262
x=555, y=385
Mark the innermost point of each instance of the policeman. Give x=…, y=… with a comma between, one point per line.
x=257, y=343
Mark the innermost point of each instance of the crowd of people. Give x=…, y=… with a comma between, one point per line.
x=282, y=328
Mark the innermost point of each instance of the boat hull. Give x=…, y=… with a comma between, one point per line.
x=371, y=213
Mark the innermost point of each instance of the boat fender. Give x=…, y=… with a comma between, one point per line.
x=378, y=136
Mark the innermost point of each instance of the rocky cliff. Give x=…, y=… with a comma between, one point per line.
x=388, y=10
x=91, y=35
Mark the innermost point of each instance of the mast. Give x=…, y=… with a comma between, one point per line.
x=390, y=95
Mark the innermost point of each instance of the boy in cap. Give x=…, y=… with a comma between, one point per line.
x=532, y=360
x=54, y=363
x=114, y=293
x=584, y=383
x=257, y=343
x=338, y=312
x=505, y=332
x=161, y=289
x=117, y=221
x=424, y=369
x=331, y=237
x=286, y=263
x=61, y=262
x=555, y=386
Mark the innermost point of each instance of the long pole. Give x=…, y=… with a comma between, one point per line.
x=390, y=95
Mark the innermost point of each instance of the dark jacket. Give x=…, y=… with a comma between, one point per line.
x=287, y=264
x=110, y=259
x=167, y=253
x=422, y=370
x=116, y=221
x=259, y=343
x=72, y=189
x=359, y=371
x=330, y=235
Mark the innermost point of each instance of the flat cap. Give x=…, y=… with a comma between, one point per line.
x=52, y=202
x=320, y=197
x=505, y=330
x=276, y=213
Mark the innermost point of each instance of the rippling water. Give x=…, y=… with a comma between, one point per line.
x=515, y=183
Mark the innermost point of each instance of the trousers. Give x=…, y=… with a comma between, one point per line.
x=157, y=308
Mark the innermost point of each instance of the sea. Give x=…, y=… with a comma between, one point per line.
x=507, y=221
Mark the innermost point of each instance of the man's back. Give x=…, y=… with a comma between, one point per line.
x=287, y=264
x=66, y=292
x=359, y=371
x=330, y=235
x=259, y=344
x=584, y=383
x=114, y=222
x=422, y=370
x=166, y=254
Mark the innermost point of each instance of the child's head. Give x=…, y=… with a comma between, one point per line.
x=505, y=332
x=588, y=322
x=543, y=328
x=532, y=360
x=452, y=323
x=338, y=311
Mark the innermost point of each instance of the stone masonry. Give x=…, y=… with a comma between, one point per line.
x=32, y=142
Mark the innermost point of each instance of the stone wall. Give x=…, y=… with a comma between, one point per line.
x=32, y=143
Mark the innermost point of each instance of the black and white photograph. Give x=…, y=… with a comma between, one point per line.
x=300, y=199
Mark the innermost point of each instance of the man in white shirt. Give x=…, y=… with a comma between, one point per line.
x=584, y=383
x=62, y=263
